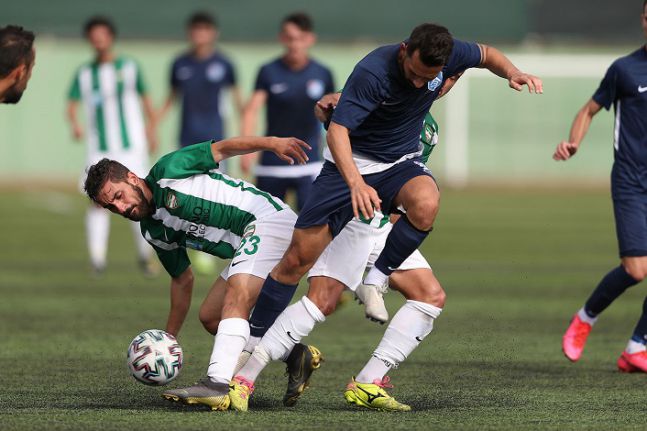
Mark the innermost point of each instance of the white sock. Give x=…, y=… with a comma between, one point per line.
x=143, y=247
x=635, y=347
x=296, y=322
x=375, y=277
x=252, y=343
x=410, y=325
x=231, y=338
x=585, y=317
x=97, y=227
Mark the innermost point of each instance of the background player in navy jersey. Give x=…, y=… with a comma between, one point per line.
x=199, y=77
x=17, y=59
x=289, y=85
x=625, y=87
x=374, y=152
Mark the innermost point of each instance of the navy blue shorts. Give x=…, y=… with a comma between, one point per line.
x=630, y=210
x=329, y=201
x=279, y=186
x=631, y=224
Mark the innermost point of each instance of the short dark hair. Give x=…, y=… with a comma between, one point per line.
x=300, y=19
x=16, y=48
x=99, y=20
x=100, y=173
x=644, y=4
x=433, y=41
x=202, y=18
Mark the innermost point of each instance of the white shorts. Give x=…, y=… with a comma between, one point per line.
x=356, y=249
x=263, y=245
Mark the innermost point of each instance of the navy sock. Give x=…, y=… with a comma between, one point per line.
x=403, y=240
x=611, y=286
x=640, y=333
x=271, y=302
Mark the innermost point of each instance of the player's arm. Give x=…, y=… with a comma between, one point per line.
x=290, y=150
x=181, y=290
x=363, y=197
x=73, y=118
x=151, y=123
x=168, y=103
x=581, y=123
x=496, y=62
x=325, y=107
x=248, y=125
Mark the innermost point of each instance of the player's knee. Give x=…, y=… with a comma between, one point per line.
x=209, y=322
x=423, y=214
x=637, y=271
x=325, y=303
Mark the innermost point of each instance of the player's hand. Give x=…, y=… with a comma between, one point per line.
x=325, y=106
x=565, y=150
x=77, y=132
x=519, y=79
x=364, y=199
x=291, y=150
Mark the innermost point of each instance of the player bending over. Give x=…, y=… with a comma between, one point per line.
x=625, y=87
x=185, y=202
x=337, y=269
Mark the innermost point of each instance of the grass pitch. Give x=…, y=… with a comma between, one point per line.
x=515, y=265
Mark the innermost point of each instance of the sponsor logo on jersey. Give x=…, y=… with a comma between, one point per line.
x=435, y=83
x=215, y=72
x=279, y=88
x=315, y=88
x=171, y=201
x=642, y=89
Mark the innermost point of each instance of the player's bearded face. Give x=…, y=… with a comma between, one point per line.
x=13, y=94
x=127, y=199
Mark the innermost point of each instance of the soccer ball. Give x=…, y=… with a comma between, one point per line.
x=154, y=357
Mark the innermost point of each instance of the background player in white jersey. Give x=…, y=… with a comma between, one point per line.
x=341, y=266
x=111, y=90
x=17, y=59
x=186, y=202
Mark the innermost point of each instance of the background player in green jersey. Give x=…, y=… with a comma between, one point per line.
x=17, y=59
x=186, y=202
x=111, y=90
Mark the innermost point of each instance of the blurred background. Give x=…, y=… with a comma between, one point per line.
x=488, y=133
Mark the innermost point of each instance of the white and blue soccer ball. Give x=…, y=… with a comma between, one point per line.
x=154, y=357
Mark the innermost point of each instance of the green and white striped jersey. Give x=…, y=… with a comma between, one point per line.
x=199, y=207
x=110, y=95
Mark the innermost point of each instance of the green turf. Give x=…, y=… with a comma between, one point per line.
x=515, y=265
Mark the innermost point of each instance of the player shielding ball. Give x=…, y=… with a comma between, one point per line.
x=186, y=202
x=625, y=87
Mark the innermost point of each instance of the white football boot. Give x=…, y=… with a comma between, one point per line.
x=372, y=297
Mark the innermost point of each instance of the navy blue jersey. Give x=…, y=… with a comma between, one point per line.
x=199, y=83
x=625, y=87
x=291, y=97
x=383, y=111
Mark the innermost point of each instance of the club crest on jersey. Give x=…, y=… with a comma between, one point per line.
x=249, y=230
x=429, y=134
x=215, y=72
x=171, y=201
x=315, y=88
x=435, y=83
